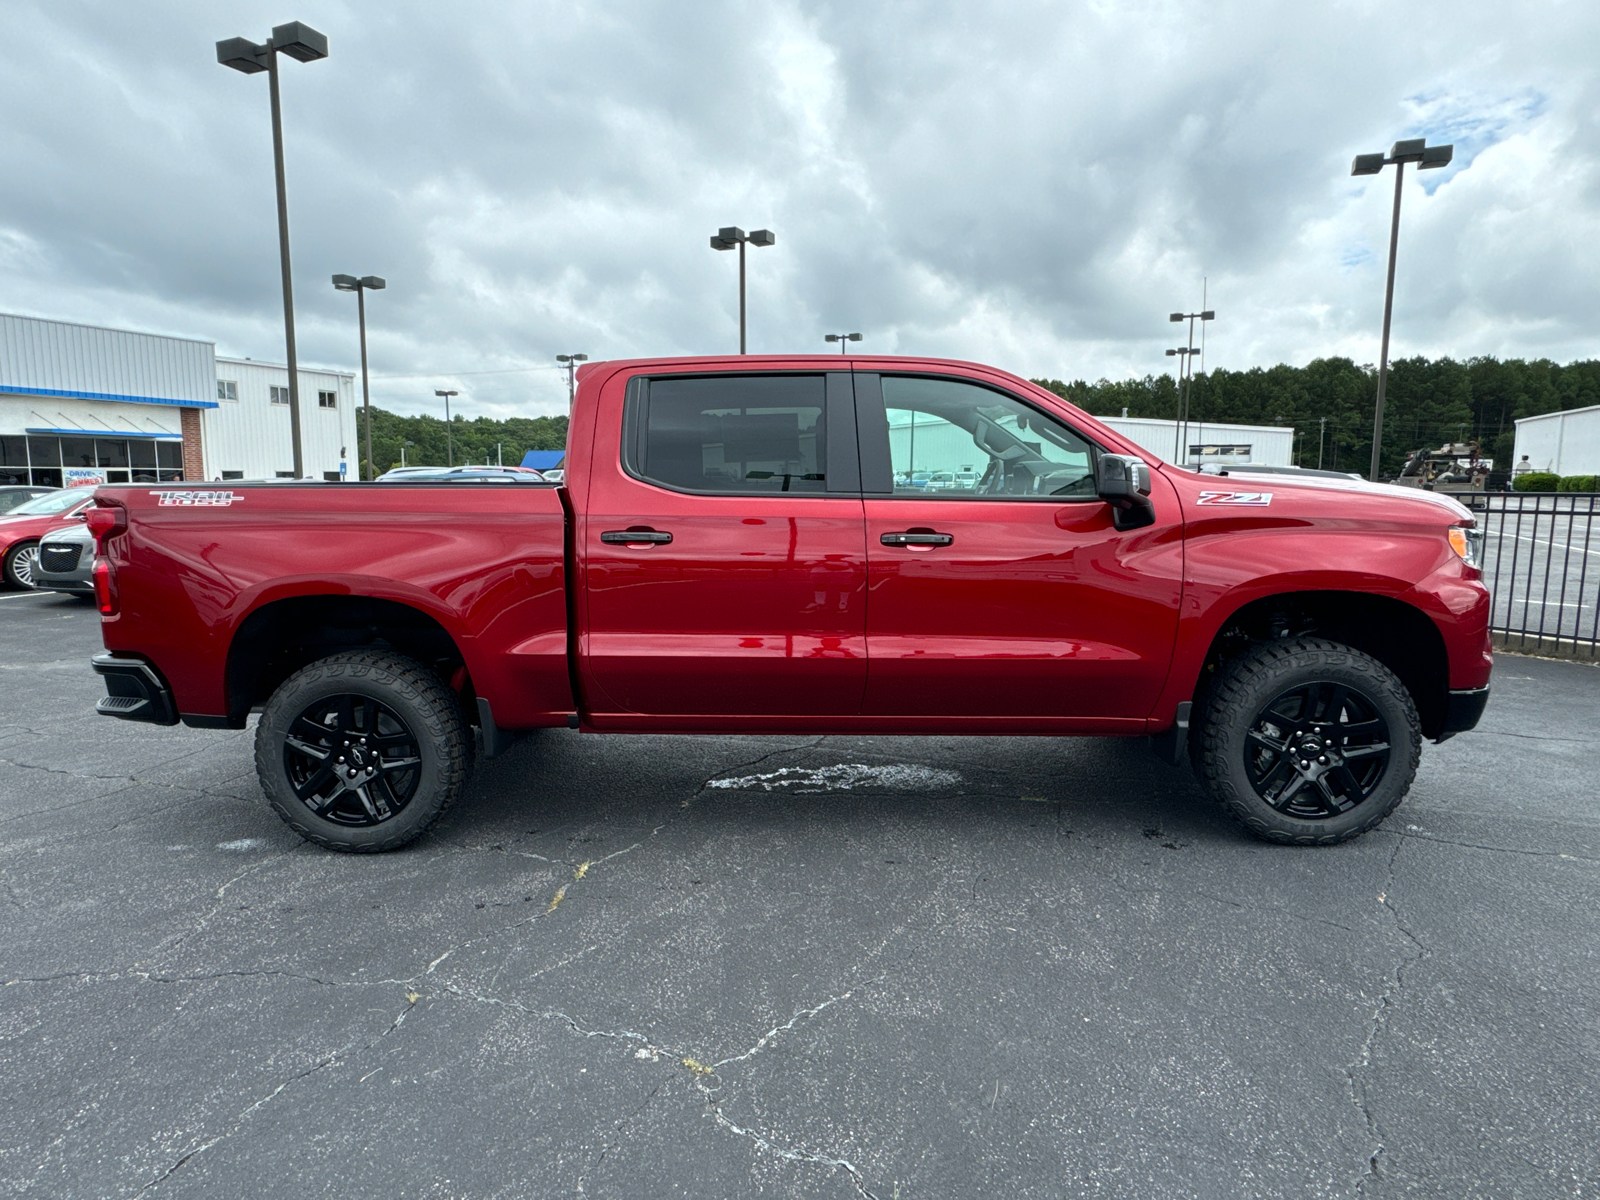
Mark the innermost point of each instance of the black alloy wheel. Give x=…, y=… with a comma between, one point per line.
x=363, y=751
x=1306, y=741
x=1317, y=750
x=352, y=760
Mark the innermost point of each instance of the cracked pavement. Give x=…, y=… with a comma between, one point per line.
x=877, y=967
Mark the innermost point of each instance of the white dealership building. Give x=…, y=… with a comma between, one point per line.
x=1564, y=443
x=81, y=404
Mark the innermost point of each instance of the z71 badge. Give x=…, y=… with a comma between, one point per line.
x=196, y=499
x=1248, y=499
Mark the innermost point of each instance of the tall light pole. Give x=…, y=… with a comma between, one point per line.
x=349, y=283
x=303, y=44
x=1188, y=363
x=1322, y=428
x=842, y=338
x=1185, y=356
x=449, y=445
x=572, y=361
x=727, y=238
x=1427, y=158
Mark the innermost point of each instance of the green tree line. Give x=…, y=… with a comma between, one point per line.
x=1428, y=402
x=475, y=441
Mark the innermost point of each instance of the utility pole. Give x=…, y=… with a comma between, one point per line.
x=449, y=445
x=1322, y=428
x=571, y=361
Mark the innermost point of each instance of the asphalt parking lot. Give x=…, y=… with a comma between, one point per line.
x=785, y=967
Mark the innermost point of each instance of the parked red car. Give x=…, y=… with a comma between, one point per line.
x=738, y=547
x=23, y=526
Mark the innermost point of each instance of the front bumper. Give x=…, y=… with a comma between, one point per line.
x=1463, y=708
x=134, y=691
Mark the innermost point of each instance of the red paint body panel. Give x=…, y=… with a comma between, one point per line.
x=786, y=613
x=484, y=561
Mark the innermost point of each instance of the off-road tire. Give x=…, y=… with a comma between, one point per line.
x=412, y=693
x=1240, y=695
x=14, y=562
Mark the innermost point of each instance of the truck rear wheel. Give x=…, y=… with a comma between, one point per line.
x=1308, y=742
x=363, y=751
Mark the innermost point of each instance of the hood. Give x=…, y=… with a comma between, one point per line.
x=72, y=534
x=1458, y=512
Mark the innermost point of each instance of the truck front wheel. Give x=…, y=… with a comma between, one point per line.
x=363, y=751
x=1308, y=742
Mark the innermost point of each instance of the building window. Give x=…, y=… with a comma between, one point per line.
x=284, y=474
x=330, y=477
x=233, y=474
x=280, y=395
x=227, y=389
x=327, y=399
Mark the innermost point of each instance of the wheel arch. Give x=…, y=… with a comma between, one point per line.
x=280, y=636
x=1399, y=635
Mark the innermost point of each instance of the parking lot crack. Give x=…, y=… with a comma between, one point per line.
x=1428, y=837
x=1356, y=1073
x=338, y=1056
x=745, y=766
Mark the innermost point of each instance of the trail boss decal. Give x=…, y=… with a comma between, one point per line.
x=196, y=499
x=1247, y=499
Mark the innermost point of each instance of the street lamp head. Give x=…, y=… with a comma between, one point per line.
x=1209, y=314
x=572, y=358
x=854, y=337
x=830, y=337
x=1436, y=156
x=442, y=392
x=242, y=55
x=763, y=237
x=580, y=358
x=1175, y=317
x=731, y=234
x=374, y=283
x=300, y=42
x=1409, y=150
x=718, y=243
x=1367, y=164
x=346, y=283
x=1170, y=353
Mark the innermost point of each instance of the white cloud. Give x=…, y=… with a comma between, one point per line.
x=1029, y=184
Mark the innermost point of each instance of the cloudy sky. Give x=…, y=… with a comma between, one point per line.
x=1033, y=184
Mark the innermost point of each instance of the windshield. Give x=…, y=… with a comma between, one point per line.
x=52, y=502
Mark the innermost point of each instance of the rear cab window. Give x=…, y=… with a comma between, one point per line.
x=735, y=434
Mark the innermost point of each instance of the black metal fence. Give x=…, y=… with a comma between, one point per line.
x=1541, y=561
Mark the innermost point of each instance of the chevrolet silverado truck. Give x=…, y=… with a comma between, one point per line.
x=750, y=545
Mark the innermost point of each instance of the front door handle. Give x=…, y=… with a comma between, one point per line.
x=635, y=537
x=917, y=537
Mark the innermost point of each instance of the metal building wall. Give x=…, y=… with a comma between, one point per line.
x=251, y=434
x=1270, y=445
x=58, y=358
x=1567, y=443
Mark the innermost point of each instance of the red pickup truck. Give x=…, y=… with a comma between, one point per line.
x=876, y=545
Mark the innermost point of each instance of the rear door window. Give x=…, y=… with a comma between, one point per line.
x=742, y=434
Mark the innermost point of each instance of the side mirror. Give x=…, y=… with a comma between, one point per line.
x=1123, y=482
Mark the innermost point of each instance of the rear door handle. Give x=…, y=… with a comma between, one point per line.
x=917, y=537
x=635, y=537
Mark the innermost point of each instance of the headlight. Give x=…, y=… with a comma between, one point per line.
x=1468, y=543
